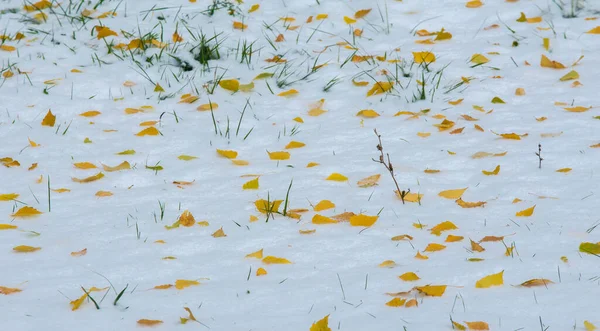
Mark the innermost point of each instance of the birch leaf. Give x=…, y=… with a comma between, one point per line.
x=491, y=280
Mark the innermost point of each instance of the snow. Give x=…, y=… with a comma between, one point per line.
x=334, y=271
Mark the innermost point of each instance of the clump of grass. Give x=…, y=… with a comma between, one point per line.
x=206, y=49
x=389, y=167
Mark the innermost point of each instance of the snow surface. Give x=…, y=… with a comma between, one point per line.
x=335, y=271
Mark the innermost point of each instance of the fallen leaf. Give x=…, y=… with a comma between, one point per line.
x=475, y=247
x=148, y=322
x=363, y=220
x=453, y=194
x=526, y=212
x=321, y=325
x=79, y=253
x=409, y=277
x=25, y=249
x=491, y=280
x=7, y=290
x=477, y=325
x=493, y=172
x=275, y=260
x=432, y=290
x=26, y=212
x=88, y=179
x=536, y=282
x=396, y=302
x=369, y=181
x=180, y=284
x=337, y=177
x=279, y=156
x=219, y=233
x=49, y=119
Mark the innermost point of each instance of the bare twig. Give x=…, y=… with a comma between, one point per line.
x=539, y=155
x=389, y=168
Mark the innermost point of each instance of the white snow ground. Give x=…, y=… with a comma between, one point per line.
x=334, y=271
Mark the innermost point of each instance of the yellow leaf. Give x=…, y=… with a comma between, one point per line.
x=491, y=280
x=477, y=325
x=101, y=194
x=251, y=185
x=61, y=190
x=595, y=30
x=520, y=91
x=186, y=157
x=90, y=113
x=402, y=237
x=148, y=322
x=324, y=205
x=497, y=100
x=158, y=88
x=253, y=8
x=104, y=32
x=186, y=219
x=307, y=231
x=123, y=166
x=7, y=290
x=275, y=260
x=456, y=102
x=578, y=109
x=570, y=76
x=49, y=119
x=25, y=249
x=369, y=181
x=294, y=144
x=525, y=212
x=258, y=254
x=8, y=197
x=453, y=194
x=450, y=238
x=337, y=177
x=458, y=326
x=409, y=277
x=536, y=282
x=474, y=4
x=362, y=13
x=479, y=59
x=433, y=247
x=288, y=93
x=444, y=226
x=589, y=326
x=263, y=206
x=149, y=131
x=423, y=57
x=88, y=179
x=279, y=155
x=547, y=63
x=387, y=264
x=590, y=248
x=261, y=272
x=421, y=256
x=232, y=85
x=75, y=304
x=363, y=220
x=476, y=247
x=239, y=25
x=380, y=88
x=127, y=152
x=423, y=134
x=79, y=253
x=8, y=48
x=240, y=162
x=312, y=164
x=349, y=20
x=26, y=212
x=396, y=302
x=411, y=197
x=321, y=17
x=219, y=233
x=182, y=283
x=432, y=290
x=227, y=153
x=84, y=165
x=564, y=170
x=492, y=173
x=368, y=113
x=321, y=325
x=319, y=219
x=7, y=227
